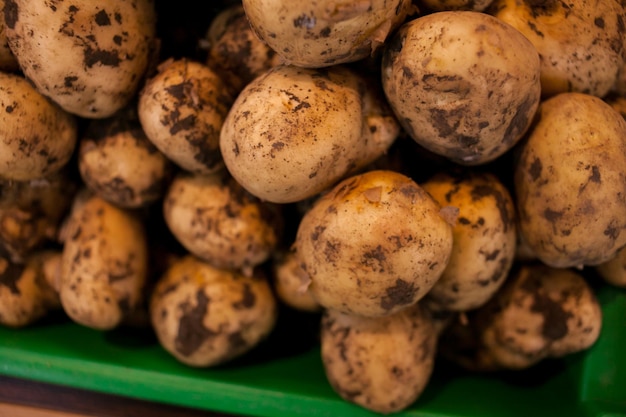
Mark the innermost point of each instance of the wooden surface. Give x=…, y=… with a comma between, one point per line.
x=21, y=398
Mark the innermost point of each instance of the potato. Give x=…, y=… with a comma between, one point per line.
x=484, y=239
x=37, y=138
x=570, y=182
x=214, y=218
x=28, y=290
x=325, y=33
x=373, y=245
x=382, y=364
x=204, y=316
x=104, y=263
x=580, y=42
x=463, y=84
x=291, y=282
x=118, y=163
x=304, y=129
x=8, y=62
x=613, y=271
x=541, y=312
x=182, y=109
x=105, y=50
x=445, y=5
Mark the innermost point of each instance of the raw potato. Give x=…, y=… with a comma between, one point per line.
x=581, y=42
x=214, y=218
x=613, y=271
x=204, y=316
x=541, y=312
x=382, y=364
x=89, y=57
x=8, y=62
x=28, y=290
x=182, y=109
x=445, y=5
x=291, y=282
x=104, y=263
x=118, y=162
x=37, y=138
x=570, y=182
x=463, y=84
x=304, y=129
x=325, y=33
x=484, y=239
x=373, y=245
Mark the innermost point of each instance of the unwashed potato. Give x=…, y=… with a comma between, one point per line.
x=304, y=130
x=581, y=42
x=324, y=33
x=382, y=364
x=570, y=182
x=463, y=84
x=28, y=290
x=89, y=57
x=613, y=271
x=484, y=239
x=373, y=245
x=104, y=263
x=291, y=282
x=37, y=137
x=118, y=163
x=8, y=62
x=205, y=316
x=541, y=312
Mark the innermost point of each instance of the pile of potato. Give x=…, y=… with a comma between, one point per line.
x=434, y=178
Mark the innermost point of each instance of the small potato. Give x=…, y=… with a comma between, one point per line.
x=291, y=282
x=613, y=271
x=484, y=239
x=89, y=57
x=182, y=109
x=570, y=182
x=28, y=291
x=104, y=263
x=463, y=84
x=37, y=137
x=541, y=312
x=204, y=316
x=382, y=364
x=373, y=245
x=118, y=162
x=214, y=218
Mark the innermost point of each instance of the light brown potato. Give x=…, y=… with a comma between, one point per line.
x=325, y=33
x=118, y=163
x=613, y=271
x=104, y=263
x=382, y=364
x=8, y=62
x=182, y=109
x=37, y=138
x=463, y=84
x=484, y=239
x=204, y=316
x=89, y=57
x=570, y=182
x=374, y=244
x=304, y=129
x=214, y=218
x=581, y=42
x=291, y=282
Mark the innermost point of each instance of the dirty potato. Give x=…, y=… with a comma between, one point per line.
x=374, y=244
x=89, y=57
x=484, y=239
x=382, y=364
x=182, y=109
x=291, y=282
x=570, y=182
x=613, y=271
x=8, y=62
x=463, y=84
x=204, y=316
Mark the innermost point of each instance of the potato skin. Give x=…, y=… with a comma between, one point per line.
x=105, y=49
x=484, y=239
x=463, y=84
x=570, y=182
x=38, y=137
x=204, y=316
x=382, y=364
x=360, y=258
x=291, y=282
x=613, y=271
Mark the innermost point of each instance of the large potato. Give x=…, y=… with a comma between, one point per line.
x=463, y=84
x=570, y=182
x=374, y=244
x=87, y=56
